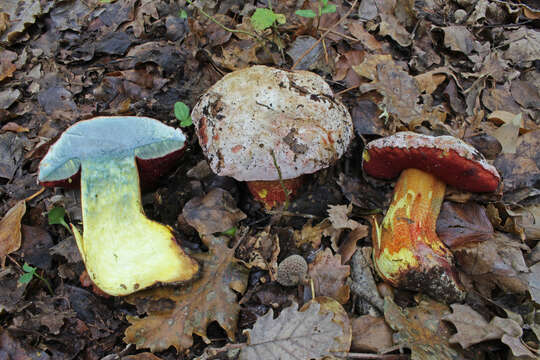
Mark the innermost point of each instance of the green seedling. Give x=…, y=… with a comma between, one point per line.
x=230, y=232
x=56, y=217
x=29, y=273
x=264, y=18
x=323, y=8
x=182, y=14
x=181, y=111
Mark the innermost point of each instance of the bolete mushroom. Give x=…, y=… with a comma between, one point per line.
x=259, y=121
x=122, y=249
x=406, y=249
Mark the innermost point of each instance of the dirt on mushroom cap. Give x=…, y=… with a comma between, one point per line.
x=253, y=112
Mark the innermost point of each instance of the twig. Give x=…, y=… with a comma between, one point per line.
x=285, y=190
x=347, y=90
x=372, y=356
x=339, y=34
x=213, y=19
x=324, y=35
x=37, y=193
x=289, y=213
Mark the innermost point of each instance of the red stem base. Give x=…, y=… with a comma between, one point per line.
x=271, y=193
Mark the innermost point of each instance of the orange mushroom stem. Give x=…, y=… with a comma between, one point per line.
x=271, y=194
x=407, y=251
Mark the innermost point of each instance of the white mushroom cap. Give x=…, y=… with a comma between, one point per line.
x=251, y=112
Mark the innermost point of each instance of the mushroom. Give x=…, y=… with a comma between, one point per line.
x=262, y=124
x=122, y=249
x=406, y=249
x=292, y=271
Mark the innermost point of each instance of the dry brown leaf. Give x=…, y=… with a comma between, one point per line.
x=311, y=234
x=390, y=24
x=329, y=276
x=344, y=71
x=368, y=67
x=174, y=314
x=368, y=41
x=429, y=81
x=13, y=127
x=460, y=224
x=524, y=45
x=141, y=356
x=21, y=15
x=497, y=261
x=401, y=97
x=10, y=231
x=371, y=333
x=339, y=217
x=260, y=250
x=348, y=245
x=7, y=66
x=533, y=279
x=308, y=334
x=521, y=170
x=421, y=329
x=216, y=212
x=472, y=329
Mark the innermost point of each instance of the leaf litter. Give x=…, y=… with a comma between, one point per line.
x=464, y=68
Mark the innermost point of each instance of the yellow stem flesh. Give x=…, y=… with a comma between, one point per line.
x=122, y=249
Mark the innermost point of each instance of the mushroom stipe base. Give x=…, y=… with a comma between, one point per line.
x=406, y=249
x=122, y=249
x=271, y=193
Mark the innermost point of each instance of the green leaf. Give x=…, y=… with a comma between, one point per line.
x=56, y=217
x=329, y=9
x=324, y=3
x=263, y=18
x=181, y=111
x=25, y=278
x=186, y=122
x=281, y=19
x=306, y=13
x=230, y=232
x=28, y=269
x=182, y=14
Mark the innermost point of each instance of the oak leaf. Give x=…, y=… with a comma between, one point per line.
x=175, y=314
x=472, y=328
x=311, y=333
x=10, y=231
x=329, y=276
x=421, y=329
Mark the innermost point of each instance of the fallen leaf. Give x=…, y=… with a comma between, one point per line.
x=459, y=38
x=8, y=98
x=363, y=282
x=429, y=81
x=520, y=170
x=311, y=234
x=371, y=333
x=141, y=356
x=12, y=291
x=421, y=329
x=21, y=15
x=174, y=314
x=366, y=39
x=472, y=329
x=260, y=250
x=524, y=45
x=315, y=58
x=344, y=71
x=215, y=212
x=460, y=224
x=7, y=66
x=296, y=334
x=499, y=261
x=339, y=217
x=533, y=278
x=14, y=127
x=19, y=348
x=348, y=245
x=10, y=231
x=329, y=276
x=390, y=24
x=368, y=67
x=526, y=92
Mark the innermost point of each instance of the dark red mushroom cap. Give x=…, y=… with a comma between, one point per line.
x=450, y=159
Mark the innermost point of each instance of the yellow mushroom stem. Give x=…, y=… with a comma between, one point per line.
x=406, y=249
